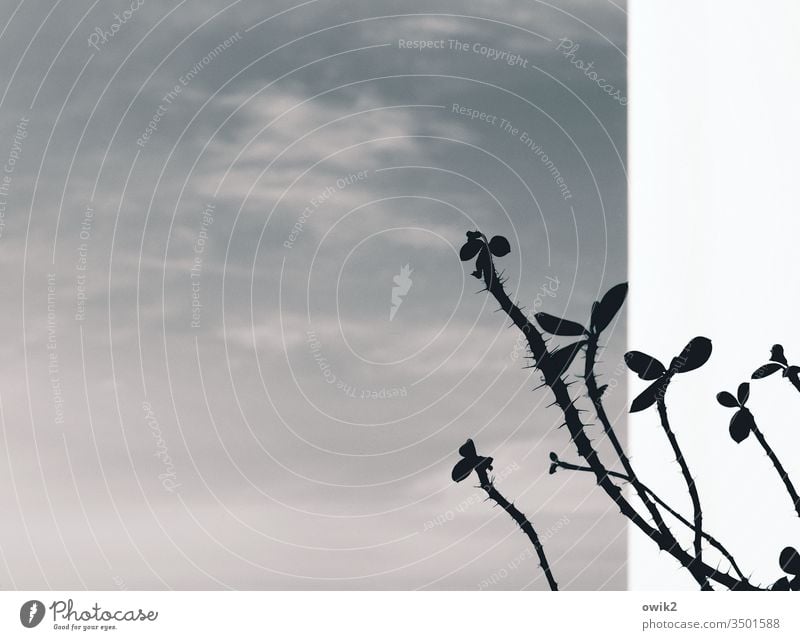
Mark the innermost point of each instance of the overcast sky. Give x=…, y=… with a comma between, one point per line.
x=277, y=165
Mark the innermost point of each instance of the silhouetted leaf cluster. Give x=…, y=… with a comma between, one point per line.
x=555, y=362
x=477, y=245
x=469, y=462
x=742, y=422
x=790, y=563
x=603, y=313
x=694, y=355
x=553, y=462
x=778, y=362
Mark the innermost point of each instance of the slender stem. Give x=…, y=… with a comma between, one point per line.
x=523, y=522
x=711, y=540
x=778, y=467
x=690, y=484
x=595, y=397
x=700, y=571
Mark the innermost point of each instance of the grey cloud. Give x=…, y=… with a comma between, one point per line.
x=263, y=475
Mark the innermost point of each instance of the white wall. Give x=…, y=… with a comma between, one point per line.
x=714, y=238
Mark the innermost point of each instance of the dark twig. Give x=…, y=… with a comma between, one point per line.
x=711, y=540
x=690, y=484
x=595, y=397
x=488, y=486
x=778, y=467
x=700, y=571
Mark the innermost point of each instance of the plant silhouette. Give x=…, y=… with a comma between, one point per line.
x=789, y=561
x=556, y=464
x=777, y=362
x=470, y=462
x=478, y=245
x=645, y=510
x=694, y=355
x=743, y=424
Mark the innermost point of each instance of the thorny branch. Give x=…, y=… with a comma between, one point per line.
x=778, y=467
x=595, y=395
x=687, y=476
x=556, y=463
x=488, y=486
x=552, y=366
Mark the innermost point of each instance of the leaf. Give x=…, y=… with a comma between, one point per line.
x=561, y=359
x=781, y=585
x=647, y=397
x=726, y=399
x=499, y=246
x=463, y=468
x=790, y=561
x=791, y=372
x=740, y=425
x=470, y=249
x=743, y=392
x=694, y=355
x=559, y=326
x=765, y=370
x=553, y=468
x=776, y=355
x=467, y=450
x=646, y=367
x=605, y=310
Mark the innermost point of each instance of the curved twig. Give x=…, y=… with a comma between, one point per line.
x=687, y=476
x=711, y=540
x=778, y=466
x=700, y=571
x=595, y=397
x=488, y=486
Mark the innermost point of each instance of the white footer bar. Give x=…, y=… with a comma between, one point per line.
x=389, y=615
